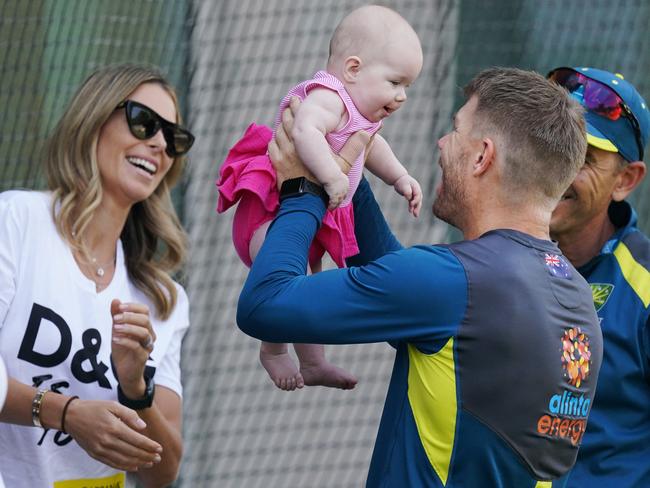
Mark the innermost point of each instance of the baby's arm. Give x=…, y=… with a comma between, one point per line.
x=320, y=113
x=383, y=163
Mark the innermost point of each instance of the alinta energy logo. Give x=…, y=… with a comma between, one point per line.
x=569, y=409
x=575, y=356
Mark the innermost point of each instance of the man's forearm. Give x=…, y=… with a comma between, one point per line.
x=279, y=303
x=279, y=262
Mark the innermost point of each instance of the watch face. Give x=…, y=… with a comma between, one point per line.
x=292, y=186
x=298, y=186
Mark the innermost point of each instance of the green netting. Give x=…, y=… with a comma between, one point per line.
x=47, y=48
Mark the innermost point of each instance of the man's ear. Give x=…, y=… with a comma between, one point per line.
x=484, y=158
x=628, y=179
x=351, y=69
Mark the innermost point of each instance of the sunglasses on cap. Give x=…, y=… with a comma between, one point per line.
x=598, y=98
x=144, y=123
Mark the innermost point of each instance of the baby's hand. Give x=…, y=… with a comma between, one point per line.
x=409, y=188
x=337, y=189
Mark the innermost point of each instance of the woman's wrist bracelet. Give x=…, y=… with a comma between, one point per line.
x=36, y=406
x=65, y=410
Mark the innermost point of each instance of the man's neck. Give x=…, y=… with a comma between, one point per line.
x=586, y=241
x=534, y=222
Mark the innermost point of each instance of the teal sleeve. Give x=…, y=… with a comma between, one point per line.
x=415, y=294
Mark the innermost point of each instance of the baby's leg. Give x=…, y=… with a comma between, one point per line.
x=280, y=367
x=275, y=357
x=316, y=370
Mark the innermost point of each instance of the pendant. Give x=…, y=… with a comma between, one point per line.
x=100, y=272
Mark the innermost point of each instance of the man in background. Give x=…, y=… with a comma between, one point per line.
x=596, y=230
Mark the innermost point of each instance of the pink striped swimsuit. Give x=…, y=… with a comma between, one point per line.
x=336, y=139
x=247, y=178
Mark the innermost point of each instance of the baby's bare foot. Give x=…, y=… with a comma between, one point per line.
x=326, y=374
x=282, y=370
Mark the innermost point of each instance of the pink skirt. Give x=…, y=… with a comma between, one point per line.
x=247, y=178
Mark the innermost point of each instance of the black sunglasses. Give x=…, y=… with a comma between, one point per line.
x=598, y=98
x=144, y=123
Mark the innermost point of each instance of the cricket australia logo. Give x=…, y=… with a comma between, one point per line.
x=601, y=293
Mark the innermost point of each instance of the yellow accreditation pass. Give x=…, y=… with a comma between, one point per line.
x=116, y=481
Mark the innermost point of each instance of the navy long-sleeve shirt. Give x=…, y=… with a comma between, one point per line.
x=497, y=344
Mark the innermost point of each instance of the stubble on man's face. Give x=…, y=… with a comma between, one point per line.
x=451, y=202
x=451, y=195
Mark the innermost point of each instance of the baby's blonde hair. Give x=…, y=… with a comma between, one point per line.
x=364, y=31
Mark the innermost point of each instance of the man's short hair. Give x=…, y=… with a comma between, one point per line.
x=540, y=129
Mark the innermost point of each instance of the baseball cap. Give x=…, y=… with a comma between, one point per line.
x=613, y=124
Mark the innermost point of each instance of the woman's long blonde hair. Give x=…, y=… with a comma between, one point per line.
x=154, y=241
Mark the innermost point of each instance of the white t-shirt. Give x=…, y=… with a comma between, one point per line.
x=4, y=383
x=3, y=395
x=55, y=332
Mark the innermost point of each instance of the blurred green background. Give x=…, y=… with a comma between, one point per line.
x=47, y=47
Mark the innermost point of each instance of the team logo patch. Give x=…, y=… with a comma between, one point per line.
x=601, y=293
x=566, y=413
x=575, y=356
x=557, y=266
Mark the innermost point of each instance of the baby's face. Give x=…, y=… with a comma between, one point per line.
x=381, y=84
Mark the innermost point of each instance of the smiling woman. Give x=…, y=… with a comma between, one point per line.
x=131, y=167
x=80, y=174
x=91, y=322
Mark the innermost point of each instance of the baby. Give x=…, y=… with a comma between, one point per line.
x=374, y=57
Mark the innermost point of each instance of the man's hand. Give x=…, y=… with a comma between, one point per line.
x=286, y=161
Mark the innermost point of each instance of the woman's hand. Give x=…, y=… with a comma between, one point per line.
x=132, y=342
x=108, y=432
x=286, y=161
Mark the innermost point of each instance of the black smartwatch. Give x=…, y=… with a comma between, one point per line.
x=145, y=402
x=297, y=186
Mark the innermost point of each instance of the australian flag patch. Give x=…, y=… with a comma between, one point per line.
x=557, y=266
